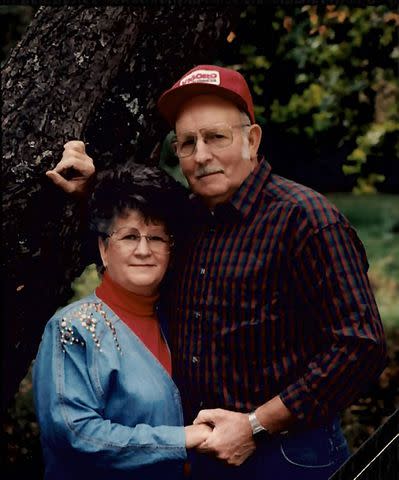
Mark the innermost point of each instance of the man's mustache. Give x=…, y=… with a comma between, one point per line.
x=205, y=171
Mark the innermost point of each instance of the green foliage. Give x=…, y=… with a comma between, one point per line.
x=340, y=68
x=86, y=283
x=169, y=161
x=376, y=219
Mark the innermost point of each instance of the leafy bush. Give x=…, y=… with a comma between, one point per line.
x=326, y=75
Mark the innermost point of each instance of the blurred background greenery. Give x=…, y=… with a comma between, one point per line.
x=326, y=91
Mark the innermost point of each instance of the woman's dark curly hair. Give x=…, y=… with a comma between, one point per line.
x=148, y=190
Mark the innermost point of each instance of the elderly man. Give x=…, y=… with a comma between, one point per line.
x=275, y=329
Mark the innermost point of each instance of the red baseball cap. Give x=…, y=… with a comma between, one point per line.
x=207, y=79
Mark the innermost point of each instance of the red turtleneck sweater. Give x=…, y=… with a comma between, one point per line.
x=138, y=313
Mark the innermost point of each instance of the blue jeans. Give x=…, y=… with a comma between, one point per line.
x=303, y=455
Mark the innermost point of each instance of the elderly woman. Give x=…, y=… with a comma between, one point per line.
x=105, y=401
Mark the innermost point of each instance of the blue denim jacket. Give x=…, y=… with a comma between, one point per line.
x=104, y=403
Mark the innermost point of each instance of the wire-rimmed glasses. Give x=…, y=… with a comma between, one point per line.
x=129, y=238
x=217, y=136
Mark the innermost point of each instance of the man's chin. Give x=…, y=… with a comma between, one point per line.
x=211, y=199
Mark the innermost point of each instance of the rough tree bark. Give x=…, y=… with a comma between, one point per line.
x=94, y=74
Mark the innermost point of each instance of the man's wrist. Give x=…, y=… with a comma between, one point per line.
x=258, y=430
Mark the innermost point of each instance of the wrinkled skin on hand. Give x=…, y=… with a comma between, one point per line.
x=231, y=439
x=75, y=160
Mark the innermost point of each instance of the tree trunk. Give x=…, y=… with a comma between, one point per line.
x=79, y=73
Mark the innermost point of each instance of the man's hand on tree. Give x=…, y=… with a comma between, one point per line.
x=231, y=439
x=74, y=170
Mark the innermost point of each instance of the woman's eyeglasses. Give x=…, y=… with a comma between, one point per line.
x=129, y=239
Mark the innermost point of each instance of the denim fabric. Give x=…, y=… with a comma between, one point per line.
x=105, y=405
x=313, y=454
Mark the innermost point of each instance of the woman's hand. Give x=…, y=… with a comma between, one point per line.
x=196, y=434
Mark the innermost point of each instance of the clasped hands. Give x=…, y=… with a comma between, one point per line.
x=229, y=437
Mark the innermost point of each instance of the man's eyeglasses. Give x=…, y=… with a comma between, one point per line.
x=128, y=238
x=216, y=137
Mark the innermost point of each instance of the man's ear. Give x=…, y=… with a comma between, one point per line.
x=102, y=246
x=254, y=138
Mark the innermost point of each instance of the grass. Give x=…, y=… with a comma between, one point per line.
x=376, y=219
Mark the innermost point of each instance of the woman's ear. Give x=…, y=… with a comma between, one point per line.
x=102, y=246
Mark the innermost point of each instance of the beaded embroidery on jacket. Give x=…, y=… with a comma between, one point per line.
x=86, y=315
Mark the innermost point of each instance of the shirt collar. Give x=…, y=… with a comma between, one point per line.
x=249, y=191
x=242, y=200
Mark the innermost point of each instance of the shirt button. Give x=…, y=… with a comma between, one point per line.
x=195, y=359
x=202, y=271
x=197, y=315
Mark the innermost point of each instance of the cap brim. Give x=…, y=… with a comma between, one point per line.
x=171, y=101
